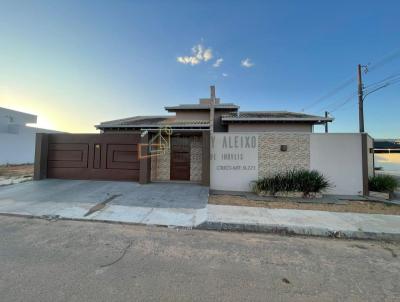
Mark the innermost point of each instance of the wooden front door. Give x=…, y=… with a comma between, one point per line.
x=180, y=158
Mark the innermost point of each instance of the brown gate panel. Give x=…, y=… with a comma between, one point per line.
x=122, y=156
x=180, y=159
x=93, y=156
x=67, y=156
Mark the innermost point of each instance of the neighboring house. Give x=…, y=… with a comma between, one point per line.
x=211, y=143
x=17, y=140
x=387, y=145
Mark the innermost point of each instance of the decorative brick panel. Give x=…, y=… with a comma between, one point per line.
x=196, y=152
x=160, y=166
x=272, y=160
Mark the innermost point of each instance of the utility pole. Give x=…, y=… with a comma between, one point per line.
x=360, y=100
x=326, y=123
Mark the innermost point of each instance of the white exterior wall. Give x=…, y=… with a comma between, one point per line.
x=19, y=148
x=338, y=157
x=8, y=116
x=17, y=141
x=234, y=161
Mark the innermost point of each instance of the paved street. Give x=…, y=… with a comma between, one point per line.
x=86, y=261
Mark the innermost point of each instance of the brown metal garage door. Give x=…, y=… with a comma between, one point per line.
x=93, y=156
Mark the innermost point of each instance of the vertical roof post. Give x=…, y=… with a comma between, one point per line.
x=212, y=103
x=212, y=89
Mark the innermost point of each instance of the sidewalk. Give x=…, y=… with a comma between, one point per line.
x=302, y=222
x=179, y=217
x=182, y=206
x=224, y=218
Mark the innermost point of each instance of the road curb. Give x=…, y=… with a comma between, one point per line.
x=299, y=231
x=250, y=228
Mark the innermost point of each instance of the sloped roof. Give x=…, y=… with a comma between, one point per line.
x=152, y=122
x=136, y=120
x=201, y=107
x=273, y=116
x=17, y=117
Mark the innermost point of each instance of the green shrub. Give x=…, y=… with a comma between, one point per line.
x=382, y=183
x=304, y=181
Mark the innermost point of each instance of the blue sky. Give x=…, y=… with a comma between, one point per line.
x=77, y=63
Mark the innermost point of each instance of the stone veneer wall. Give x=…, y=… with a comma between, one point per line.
x=272, y=160
x=196, y=152
x=160, y=166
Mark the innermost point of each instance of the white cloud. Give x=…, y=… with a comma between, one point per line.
x=197, y=51
x=199, y=54
x=188, y=60
x=207, y=55
x=224, y=74
x=218, y=62
x=247, y=63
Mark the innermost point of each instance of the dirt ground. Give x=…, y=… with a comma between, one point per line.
x=24, y=170
x=281, y=203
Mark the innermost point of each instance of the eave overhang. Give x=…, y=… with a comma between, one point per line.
x=139, y=127
x=201, y=107
x=227, y=120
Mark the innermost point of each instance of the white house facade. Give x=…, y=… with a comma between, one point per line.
x=17, y=140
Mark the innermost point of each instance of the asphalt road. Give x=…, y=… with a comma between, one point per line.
x=84, y=261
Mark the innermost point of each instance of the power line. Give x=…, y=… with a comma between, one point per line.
x=385, y=79
x=348, y=99
x=371, y=67
x=367, y=92
x=385, y=82
x=394, y=81
x=344, y=106
x=331, y=93
x=384, y=60
x=333, y=104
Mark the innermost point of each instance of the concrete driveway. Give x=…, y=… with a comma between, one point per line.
x=177, y=204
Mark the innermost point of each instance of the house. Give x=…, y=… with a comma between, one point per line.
x=211, y=143
x=387, y=146
x=182, y=160
x=17, y=138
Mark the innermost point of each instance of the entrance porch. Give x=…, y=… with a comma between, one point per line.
x=185, y=157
